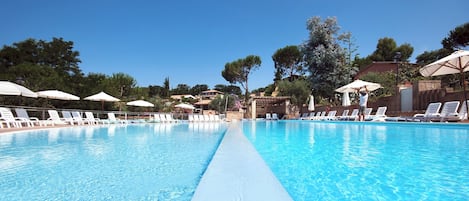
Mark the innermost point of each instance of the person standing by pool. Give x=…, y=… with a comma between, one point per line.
x=363, y=91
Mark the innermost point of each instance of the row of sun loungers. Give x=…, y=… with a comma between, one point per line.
x=8, y=120
x=380, y=115
x=203, y=118
x=449, y=112
x=164, y=118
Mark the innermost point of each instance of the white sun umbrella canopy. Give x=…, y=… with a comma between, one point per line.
x=311, y=103
x=140, y=103
x=346, y=99
x=457, y=62
x=185, y=106
x=102, y=97
x=357, y=84
x=56, y=94
x=12, y=89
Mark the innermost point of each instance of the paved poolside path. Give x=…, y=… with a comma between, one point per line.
x=237, y=172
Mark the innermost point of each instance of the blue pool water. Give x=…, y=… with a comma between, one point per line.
x=135, y=162
x=365, y=161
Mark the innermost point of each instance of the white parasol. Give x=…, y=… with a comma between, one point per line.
x=140, y=103
x=457, y=62
x=185, y=106
x=345, y=99
x=357, y=84
x=56, y=94
x=10, y=88
x=103, y=97
x=311, y=103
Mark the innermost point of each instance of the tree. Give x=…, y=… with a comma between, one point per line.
x=197, y=89
x=458, y=38
x=230, y=89
x=325, y=58
x=298, y=90
x=181, y=89
x=120, y=85
x=57, y=55
x=218, y=104
x=166, y=88
x=238, y=71
x=155, y=90
x=287, y=62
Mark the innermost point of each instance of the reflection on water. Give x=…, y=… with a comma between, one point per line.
x=365, y=160
x=164, y=160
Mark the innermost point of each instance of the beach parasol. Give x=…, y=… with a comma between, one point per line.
x=345, y=99
x=311, y=103
x=10, y=88
x=103, y=97
x=357, y=84
x=56, y=94
x=185, y=106
x=140, y=103
x=457, y=62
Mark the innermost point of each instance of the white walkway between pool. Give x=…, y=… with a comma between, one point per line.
x=237, y=172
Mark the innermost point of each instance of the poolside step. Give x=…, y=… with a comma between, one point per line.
x=237, y=172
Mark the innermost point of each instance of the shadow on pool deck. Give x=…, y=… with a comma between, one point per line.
x=237, y=172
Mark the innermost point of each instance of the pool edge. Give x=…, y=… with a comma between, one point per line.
x=238, y=172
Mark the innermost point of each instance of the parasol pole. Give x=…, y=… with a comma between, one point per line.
x=463, y=86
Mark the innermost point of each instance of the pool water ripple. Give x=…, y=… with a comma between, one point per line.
x=135, y=162
x=365, y=161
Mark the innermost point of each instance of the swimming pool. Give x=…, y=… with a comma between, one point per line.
x=365, y=161
x=134, y=162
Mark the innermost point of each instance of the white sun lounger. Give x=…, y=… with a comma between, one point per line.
x=450, y=109
x=10, y=120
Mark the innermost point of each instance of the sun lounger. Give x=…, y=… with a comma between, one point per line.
x=367, y=112
x=111, y=117
x=307, y=116
x=449, y=109
x=461, y=115
x=22, y=113
x=54, y=118
x=344, y=115
x=431, y=112
x=170, y=118
x=353, y=116
x=268, y=116
x=380, y=115
x=67, y=116
x=274, y=116
x=90, y=118
x=10, y=120
x=331, y=115
x=77, y=118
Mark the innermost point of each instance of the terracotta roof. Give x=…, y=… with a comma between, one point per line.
x=377, y=67
x=203, y=102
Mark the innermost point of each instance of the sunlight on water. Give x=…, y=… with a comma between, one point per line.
x=365, y=161
x=135, y=162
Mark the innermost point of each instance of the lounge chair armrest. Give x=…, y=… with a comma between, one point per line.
x=419, y=115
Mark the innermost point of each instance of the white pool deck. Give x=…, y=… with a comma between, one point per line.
x=237, y=172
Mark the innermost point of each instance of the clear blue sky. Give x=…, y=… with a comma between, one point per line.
x=190, y=41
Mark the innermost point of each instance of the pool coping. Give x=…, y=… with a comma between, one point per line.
x=238, y=172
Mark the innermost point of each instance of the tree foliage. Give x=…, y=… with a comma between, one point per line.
x=228, y=89
x=298, y=90
x=197, y=89
x=238, y=71
x=324, y=58
x=458, y=38
x=287, y=62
